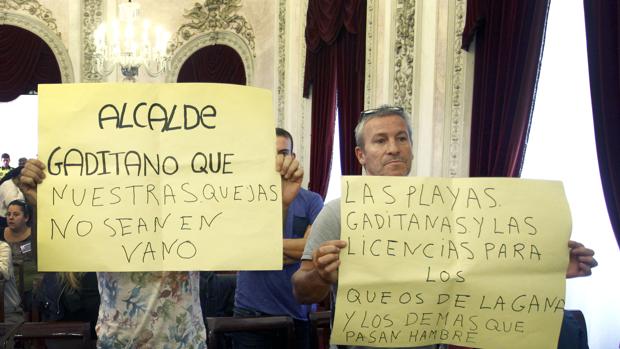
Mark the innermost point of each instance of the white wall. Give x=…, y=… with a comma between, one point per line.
x=562, y=147
x=18, y=128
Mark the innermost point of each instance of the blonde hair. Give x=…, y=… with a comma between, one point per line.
x=71, y=280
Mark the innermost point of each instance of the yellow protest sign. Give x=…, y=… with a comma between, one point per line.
x=146, y=177
x=477, y=262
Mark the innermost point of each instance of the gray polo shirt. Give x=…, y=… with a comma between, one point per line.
x=327, y=227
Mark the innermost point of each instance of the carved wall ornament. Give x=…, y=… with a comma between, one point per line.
x=281, y=61
x=404, y=53
x=32, y=8
x=207, y=39
x=457, y=105
x=370, y=80
x=306, y=103
x=51, y=38
x=92, y=16
x=213, y=16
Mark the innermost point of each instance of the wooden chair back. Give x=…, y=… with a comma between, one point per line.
x=220, y=325
x=33, y=331
x=320, y=329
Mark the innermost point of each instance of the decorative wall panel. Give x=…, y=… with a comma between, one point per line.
x=404, y=53
x=209, y=23
x=92, y=16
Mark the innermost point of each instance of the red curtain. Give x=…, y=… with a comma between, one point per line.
x=509, y=38
x=214, y=63
x=335, y=61
x=25, y=61
x=323, y=116
x=603, y=42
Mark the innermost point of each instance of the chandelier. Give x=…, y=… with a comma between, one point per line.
x=130, y=44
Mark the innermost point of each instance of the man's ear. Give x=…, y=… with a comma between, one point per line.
x=359, y=153
x=293, y=155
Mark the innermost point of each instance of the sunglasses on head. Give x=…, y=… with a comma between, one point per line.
x=369, y=112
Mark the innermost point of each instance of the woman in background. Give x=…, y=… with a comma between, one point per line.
x=69, y=297
x=12, y=310
x=80, y=300
x=19, y=236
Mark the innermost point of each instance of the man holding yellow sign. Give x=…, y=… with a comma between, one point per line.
x=428, y=250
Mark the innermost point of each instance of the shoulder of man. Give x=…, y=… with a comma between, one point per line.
x=313, y=202
x=329, y=217
x=325, y=227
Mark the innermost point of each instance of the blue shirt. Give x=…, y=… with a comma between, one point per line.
x=271, y=291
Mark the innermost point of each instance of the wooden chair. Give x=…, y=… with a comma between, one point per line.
x=320, y=329
x=7, y=332
x=33, y=331
x=35, y=315
x=220, y=325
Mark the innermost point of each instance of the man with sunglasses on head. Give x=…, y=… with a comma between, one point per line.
x=384, y=148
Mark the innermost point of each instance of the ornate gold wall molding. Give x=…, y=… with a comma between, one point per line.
x=214, y=16
x=32, y=8
x=404, y=53
x=45, y=32
x=281, y=83
x=456, y=100
x=370, y=80
x=305, y=117
x=211, y=23
x=92, y=16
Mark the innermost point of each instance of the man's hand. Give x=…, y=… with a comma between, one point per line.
x=32, y=174
x=292, y=175
x=581, y=260
x=326, y=260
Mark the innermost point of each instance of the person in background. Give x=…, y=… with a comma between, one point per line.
x=18, y=235
x=5, y=164
x=68, y=297
x=21, y=162
x=13, y=312
x=270, y=293
x=8, y=192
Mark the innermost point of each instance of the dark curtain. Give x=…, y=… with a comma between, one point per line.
x=25, y=61
x=323, y=117
x=215, y=63
x=350, y=79
x=335, y=61
x=603, y=42
x=509, y=38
